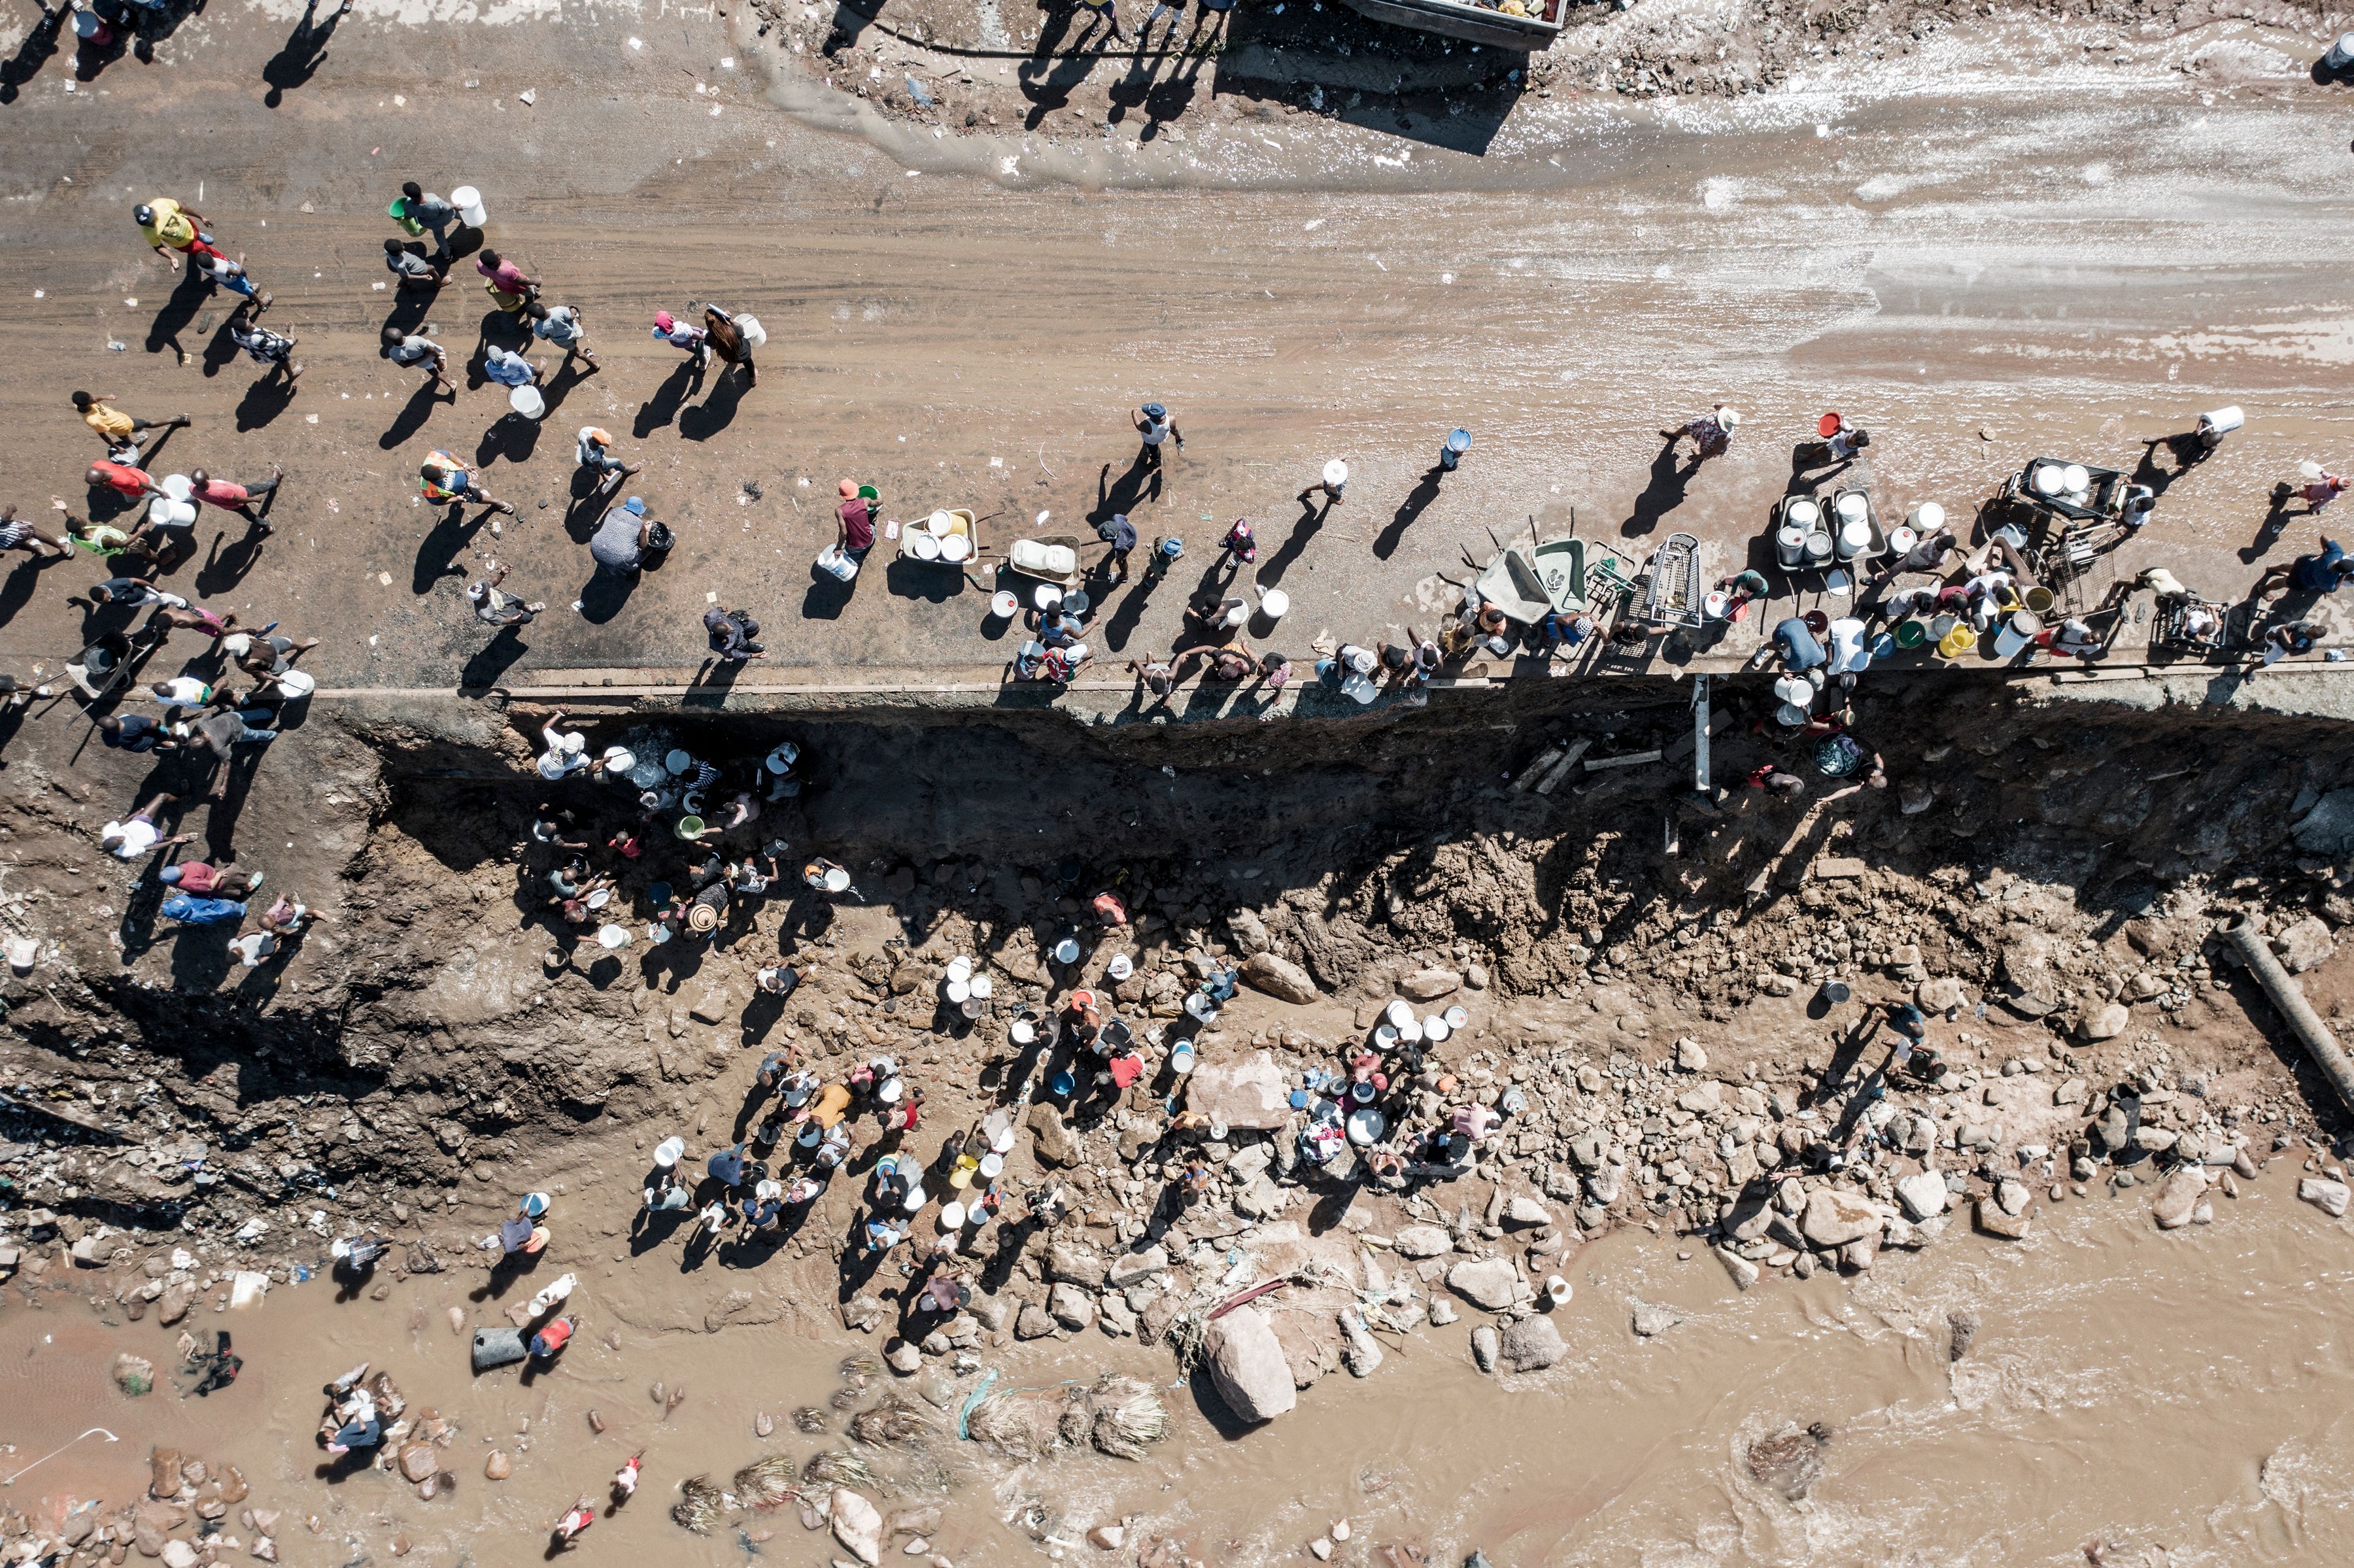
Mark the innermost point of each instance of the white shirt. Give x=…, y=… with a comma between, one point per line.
x=1848, y=650
x=139, y=836
x=1155, y=431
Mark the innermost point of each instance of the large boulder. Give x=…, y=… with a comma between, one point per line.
x=1246, y=1366
x=1491, y=1283
x=2177, y=1196
x=1532, y=1344
x=2327, y=829
x=857, y=1524
x=2327, y=1196
x=2106, y=1022
x=1070, y=1263
x=1834, y=1218
x=1429, y=985
x=1422, y=1240
x=1924, y=1196
x=1053, y=1142
x=1252, y=1092
x=1278, y=977
x=1070, y=1307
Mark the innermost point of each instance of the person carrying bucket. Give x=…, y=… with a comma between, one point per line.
x=1451, y=451
x=826, y=876
x=1330, y=485
x=420, y=211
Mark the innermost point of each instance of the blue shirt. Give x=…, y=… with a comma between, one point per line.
x=1799, y=649
x=728, y=1165
x=2318, y=574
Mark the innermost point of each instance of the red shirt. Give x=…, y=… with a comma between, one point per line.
x=1126, y=1070
x=195, y=876
x=123, y=477
x=221, y=494
x=857, y=525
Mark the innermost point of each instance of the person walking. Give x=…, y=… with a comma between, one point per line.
x=1103, y=11
x=593, y=449
x=420, y=211
x=274, y=349
x=23, y=533
x=1120, y=534
x=2321, y=487
x=414, y=348
x=224, y=273
x=508, y=369
x=443, y=481
x=169, y=226
x=684, y=336
x=1334, y=480
x=731, y=632
x=2320, y=573
x=727, y=339
x=1172, y=9
x=510, y=288
x=1239, y=546
x=561, y=325
x=1151, y=421
x=495, y=606
x=130, y=484
x=118, y=430
x=238, y=498
x=415, y=273
x=1709, y=434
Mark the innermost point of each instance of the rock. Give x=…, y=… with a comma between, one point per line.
x=1278, y=978
x=163, y=1473
x=1702, y=1099
x=1248, y=931
x=1128, y=1268
x=1073, y=1263
x=1429, y=985
x=2327, y=1196
x=1915, y=796
x=906, y=1360
x=1261, y=1198
x=1525, y=1211
x=1487, y=1346
x=1107, y=1537
x=264, y=1549
x=1939, y=993
x=174, y=1304
x=1253, y=1093
x=2177, y=1196
x=1995, y=1222
x=179, y=1554
x=1858, y=1255
x=1247, y=1366
x=1923, y=1195
x=1690, y=1057
x=1834, y=1218
x=1033, y=1322
x=1321, y=1549
x=2106, y=1022
x=498, y=1466
x=1053, y=1140
x=1589, y=1149
x=1744, y=1272
x=1249, y=1160
x=1422, y=1240
x=1475, y=977
x=1530, y=1345
x=418, y=1460
x=2304, y=945
x=856, y=1524
x=1360, y=1352
x=913, y=1521
x=1489, y=1283
x=1602, y=1184
x=1070, y=1307
x=2071, y=1093
x=1650, y=1320
x=1443, y=1312
x=861, y=1312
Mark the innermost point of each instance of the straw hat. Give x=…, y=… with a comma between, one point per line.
x=702, y=917
x=668, y=1151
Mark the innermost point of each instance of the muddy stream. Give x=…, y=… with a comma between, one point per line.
x=2180, y=1397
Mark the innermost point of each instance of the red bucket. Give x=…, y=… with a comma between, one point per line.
x=1829, y=424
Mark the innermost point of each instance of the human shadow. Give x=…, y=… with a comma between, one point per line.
x=602, y=597
x=1303, y=534
x=270, y=395
x=2268, y=531
x=225, y=565
x=437, y=553
x=828, y=596
x=1141, y=484
x=715, y=413
x=1662, y=493
x=484, y=670
x=412, y=416
x=663, y=408
x=1124, y=619
x=511, y=436
x=187, y=297
x=2187, y=450
x=300, y=57
x=1417, y=501
x=39, y=44
x=1047, y=78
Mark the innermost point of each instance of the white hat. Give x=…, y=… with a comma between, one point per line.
x=1728, y=418
x=237, y=644
x=574, y=743
x=667, y=1152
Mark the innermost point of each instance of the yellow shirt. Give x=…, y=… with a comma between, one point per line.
x=171, y=225
x=832, y=1102
x=113, y=426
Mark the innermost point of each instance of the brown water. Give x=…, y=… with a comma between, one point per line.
x=2182, y=1397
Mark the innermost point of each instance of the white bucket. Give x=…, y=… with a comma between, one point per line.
x=178, y=486
x=1818, y=546
x=2049, y=479
x=2341, y=53
x=992, y=1165
x=1457, y=1016
x=611, y=936
x=1047, y=597
x=916, y=1199
x=956, y=549
x=924, y=547
x=959, y=969
x=1336, y=473
x=2224, y=421
x=527, y=401
x=1401, y=1014
x=1066, y=951
x=1855, y=537
x=1273, y=603
x=1791, y=540
x=1120, y=966
x=837, y=880
x=1801, y=512
x=22, y=951
x=1435, y=1030
x=835, y=565
x=1901, y=539
x=298, y=682
x=1004, y=605
x=958, y=991
x=1557, y=1290
x=754, y=334
x=1022, y=1031
x=2076, y=478
x=1926, y=518
x=952, y=1216
x=469, y=203
x=1851, y=507
x=1410, y=1032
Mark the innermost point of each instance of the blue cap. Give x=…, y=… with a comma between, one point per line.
x=634, y=506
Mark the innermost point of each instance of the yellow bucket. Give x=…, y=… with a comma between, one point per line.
x=1957, y=641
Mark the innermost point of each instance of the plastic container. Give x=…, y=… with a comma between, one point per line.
x=1336, y=473
x=958, y=991
x=2339, y=58
x=1557, y=1290
x=497, y=1348
x=469, y=203
x=690, y=827
x=22, y=951
x=178, y=486
x=1818, y=546
x=527, y=401
x=835, y=565
x=1066, y=951
x=1714, y=607
x=1957, y=641
x=1829, y=424
x=2038, y=600
x=612, y=936
x=837, y=880
x=1910, y=634
x=1400, y=1014
x=1803, y=512
x=749, y=327
x=1366, y=1126
x=1274, y=603
x=1046, y=597
x=956, y=549
x=1789, y=715
x=1902, y=538
x=2075, y=478
x=991, y=1166
x=1004, y=605
x=1435, y=1030
x=924, y=547
x=1851, y=508
x=1180, y=1059
x=1119, y=968
x=1925, y=518
x=2049, y=479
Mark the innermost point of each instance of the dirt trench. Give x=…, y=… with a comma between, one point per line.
x=2055, y=856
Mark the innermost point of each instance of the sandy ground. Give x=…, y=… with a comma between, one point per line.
x=1932, y=264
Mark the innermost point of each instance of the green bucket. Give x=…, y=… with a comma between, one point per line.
x=689, y=827
x=1910, y=634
